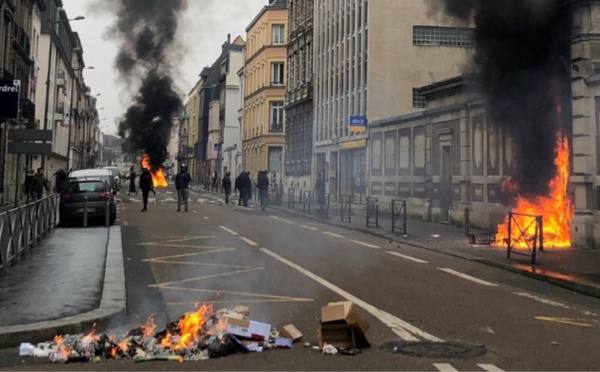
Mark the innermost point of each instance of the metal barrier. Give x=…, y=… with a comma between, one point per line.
x=21, y=228
x=291, y=198
x=399, y=216
x=519, y=226
x=372, y=212
x=324, y=205
x=346, y=208
x=306, y=199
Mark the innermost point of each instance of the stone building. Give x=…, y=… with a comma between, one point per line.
x=370, y=56
x=299, y=96
x=266, y=54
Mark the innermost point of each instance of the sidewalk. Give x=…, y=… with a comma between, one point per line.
x=69, y=280
x=574, y=269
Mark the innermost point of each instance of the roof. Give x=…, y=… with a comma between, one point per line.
x=89, y=173
x=275, y=4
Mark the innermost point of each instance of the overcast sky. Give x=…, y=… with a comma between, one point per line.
x=205, y=27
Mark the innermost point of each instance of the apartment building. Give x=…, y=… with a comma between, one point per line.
x=370, y=58
x=299, y=96
x=264, y=97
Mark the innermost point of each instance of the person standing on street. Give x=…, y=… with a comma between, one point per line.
x=146, y=185
x=227, y=186
x=27, y=184
x=263, y=189
x=239, y=188
x=38, y=184
x=320, y=188
x=132, y=177
x=60, y=180
x=246, y=188
x=182, y=183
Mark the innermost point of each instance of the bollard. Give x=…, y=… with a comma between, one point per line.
x=467, y=221
x=85, y=211
x=107, y=212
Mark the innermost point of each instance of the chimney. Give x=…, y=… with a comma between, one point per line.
x=228, y=38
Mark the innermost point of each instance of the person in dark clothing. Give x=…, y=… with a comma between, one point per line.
x=27, y=184
x=227, y=186
x=238, y=186
x=262, y=184
x=246, y=188
x=182, y=183
x=60, y=179
x=38, y=184
x=132, y=177
x=146, y=185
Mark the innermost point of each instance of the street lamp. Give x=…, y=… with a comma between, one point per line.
x=52, y=23
x=71, y=121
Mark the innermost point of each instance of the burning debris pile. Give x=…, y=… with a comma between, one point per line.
x=205, y=334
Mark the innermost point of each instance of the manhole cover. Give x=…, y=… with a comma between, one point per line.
x=435, y=349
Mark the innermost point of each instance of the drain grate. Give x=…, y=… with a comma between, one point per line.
x=435, y=349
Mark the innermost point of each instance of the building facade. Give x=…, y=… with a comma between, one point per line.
x=299, y=95
x=370, y=56
x=264, y=97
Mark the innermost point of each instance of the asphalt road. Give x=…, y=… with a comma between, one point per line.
x=286, y=268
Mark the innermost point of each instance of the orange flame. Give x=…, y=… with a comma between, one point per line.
x=556, y=209
x=149, y=327
x=190, y=328
x=158, y=176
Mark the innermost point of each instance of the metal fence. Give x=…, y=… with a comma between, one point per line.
x=399, y=216
x=21, y=228
x=519, y=234
x=306, y=200
x=291, y=198
x=346, y=208
x=372, y=212
x=324, y=205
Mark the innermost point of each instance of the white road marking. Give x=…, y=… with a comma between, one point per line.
x=417, y=260
x=309, y=227
x=542, y=300
x=283, y=220
x=366, y=244
x=444, y=367
x=467, y=277
x=332, y=234
x=490, y=367
x=403, y=329
x=248, y=241
x=229, y=230
x=206, y=218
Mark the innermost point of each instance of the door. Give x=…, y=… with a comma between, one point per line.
x=446, y=182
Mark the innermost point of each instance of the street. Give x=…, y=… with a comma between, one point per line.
x=285, y=268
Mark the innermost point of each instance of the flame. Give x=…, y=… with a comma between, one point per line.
x=556, y=209
x=91, y=336
x=149, y=327
x=113, y=352
x=124, y=345
x=190, y=328
x=158, y=176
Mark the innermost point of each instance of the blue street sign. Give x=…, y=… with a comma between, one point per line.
x=217, y=147
x=358, y=124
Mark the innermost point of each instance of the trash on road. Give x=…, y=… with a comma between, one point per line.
x=291, y=332
x=329, y=349
x=435, y=235
x=198, y=335
x=342, y=327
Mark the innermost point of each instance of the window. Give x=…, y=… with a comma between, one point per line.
x=277, y=73
x=277, y=116
x=443, y=36
x=278, y=34
x=419, y=101
x=309, y=62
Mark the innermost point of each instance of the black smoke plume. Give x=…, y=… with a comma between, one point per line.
x=523, y=49
x=147, y=30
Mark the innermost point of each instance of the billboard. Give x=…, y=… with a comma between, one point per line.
x=10, y=91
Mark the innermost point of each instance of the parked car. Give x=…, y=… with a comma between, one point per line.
x=97, y=191
x=114, y=171
x=103, y=174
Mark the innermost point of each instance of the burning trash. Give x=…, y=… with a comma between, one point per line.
x=198, y=335
x=158, y=176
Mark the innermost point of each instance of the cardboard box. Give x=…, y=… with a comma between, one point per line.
x=338, y=335
x=291, y=332
x=248, y=329
x=346, y=313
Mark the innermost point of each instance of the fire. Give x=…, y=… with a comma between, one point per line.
x=190, y=329
x=158, y=176
x=149, y=327
x=557, y=208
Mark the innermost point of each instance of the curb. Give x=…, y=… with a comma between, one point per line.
x=112, y=304
x=551, y=277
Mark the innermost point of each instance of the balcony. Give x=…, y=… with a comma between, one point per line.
x=276, y=128
x=277, y=83
x=28, y=112
x=60, y=79
x=59, y=113
x=22, y=40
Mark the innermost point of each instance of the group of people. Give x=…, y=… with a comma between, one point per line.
x=243, y=184
x=35, y=184
x=182, y=184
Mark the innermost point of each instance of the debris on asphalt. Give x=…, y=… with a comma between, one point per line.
x=307, y=344
x=350, y=351
x=435, y=235
x=342, y=326
x=554, y=343
x=329, y=350
x=290, y=331
x=199, y=335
